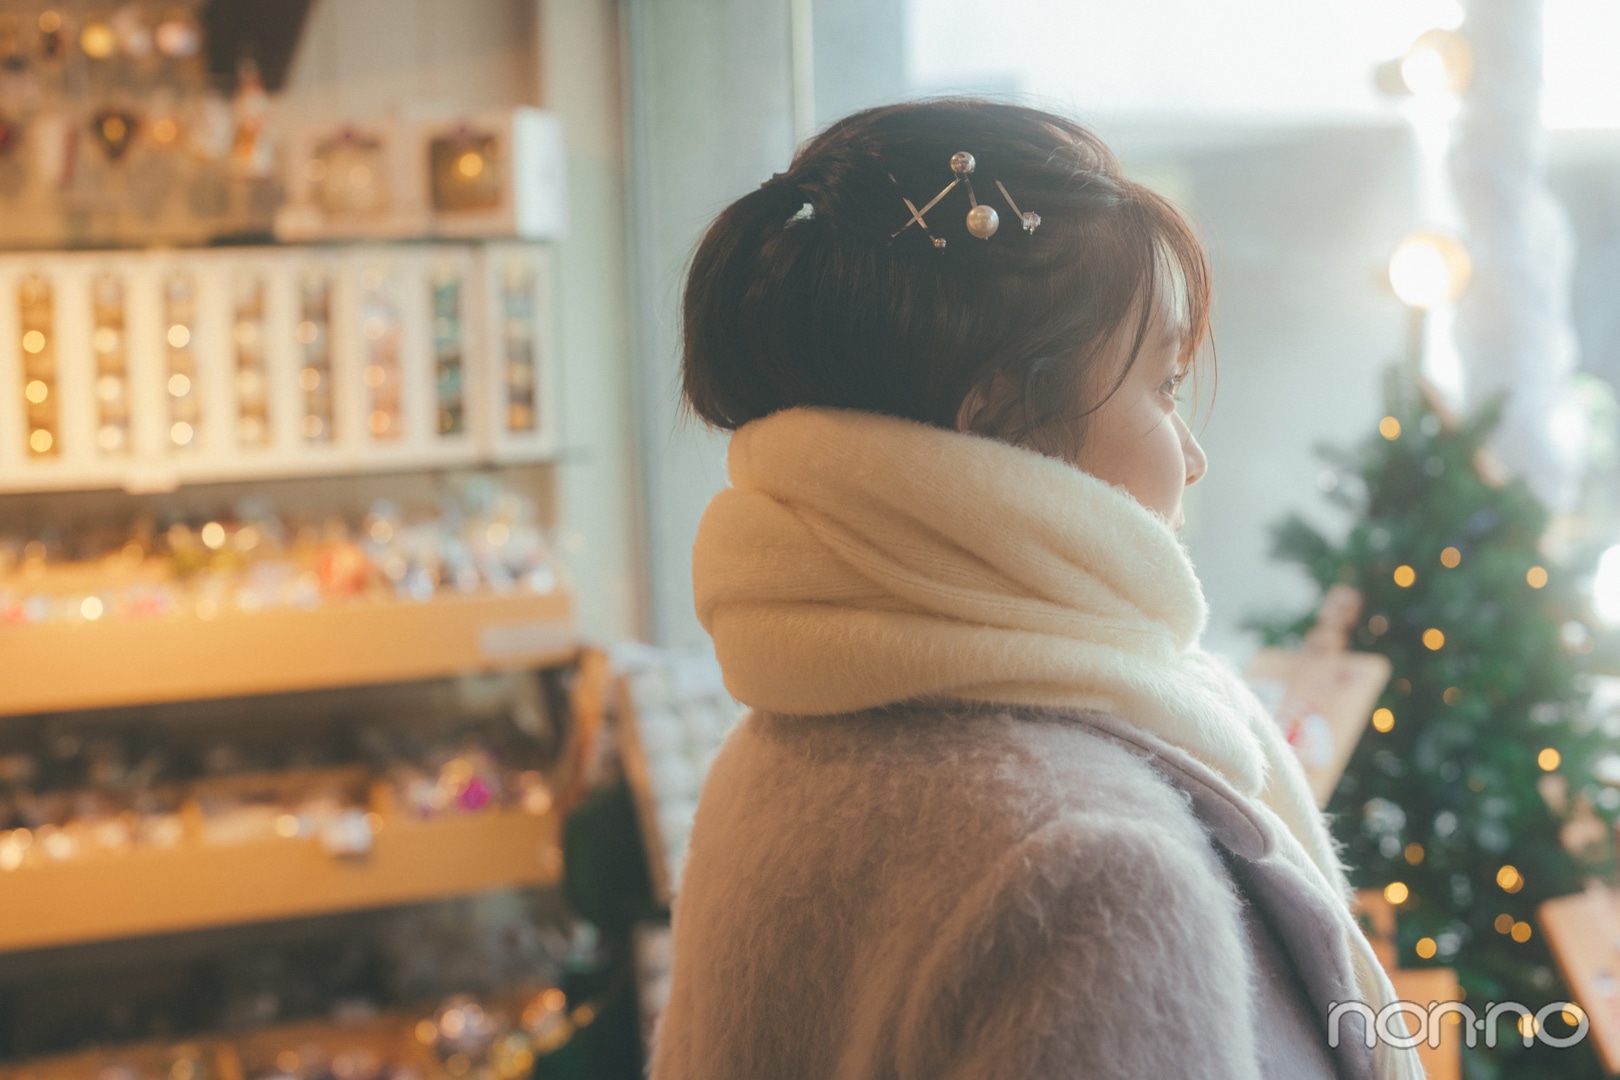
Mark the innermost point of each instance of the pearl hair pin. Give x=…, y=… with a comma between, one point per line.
x=982, y=220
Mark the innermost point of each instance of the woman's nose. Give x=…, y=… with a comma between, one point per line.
x=1197, y=463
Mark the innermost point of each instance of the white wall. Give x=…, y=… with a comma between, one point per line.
x=581, y=77
x=712, y=116
x=360, y=58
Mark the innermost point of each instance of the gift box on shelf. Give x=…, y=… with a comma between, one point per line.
x=358, y=180
x=495, y=175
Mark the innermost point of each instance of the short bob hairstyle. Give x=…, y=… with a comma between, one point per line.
x=800, y=293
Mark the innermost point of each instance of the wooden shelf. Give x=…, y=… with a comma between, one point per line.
x=59, y=667
x=195, y=885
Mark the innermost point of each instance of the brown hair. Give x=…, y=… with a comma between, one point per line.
x=799, y=294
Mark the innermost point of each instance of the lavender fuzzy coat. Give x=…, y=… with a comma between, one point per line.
x=968, y=891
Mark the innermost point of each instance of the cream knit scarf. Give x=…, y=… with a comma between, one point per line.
x=858, y=560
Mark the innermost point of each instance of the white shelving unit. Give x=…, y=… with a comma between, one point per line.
x=146, y=370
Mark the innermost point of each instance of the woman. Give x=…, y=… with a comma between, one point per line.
x=993, y=813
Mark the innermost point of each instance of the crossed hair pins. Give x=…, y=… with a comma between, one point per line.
x=982, y=220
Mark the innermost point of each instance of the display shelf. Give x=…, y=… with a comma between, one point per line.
x=195, y=886
x=151, y=370
x=60, y=667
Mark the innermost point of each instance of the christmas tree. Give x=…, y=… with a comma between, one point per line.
x=1471, y=799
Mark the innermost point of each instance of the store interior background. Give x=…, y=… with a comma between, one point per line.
x=1260, y=117
x=1263, y=121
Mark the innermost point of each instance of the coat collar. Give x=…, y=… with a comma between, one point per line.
x=1228, y=816
x=1302, y=917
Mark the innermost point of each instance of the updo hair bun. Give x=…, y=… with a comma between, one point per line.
x=808, y=291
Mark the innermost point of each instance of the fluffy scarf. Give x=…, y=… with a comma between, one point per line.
x=858, y=560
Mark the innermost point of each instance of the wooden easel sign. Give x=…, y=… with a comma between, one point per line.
x=1323, y=694
x=1583, y=931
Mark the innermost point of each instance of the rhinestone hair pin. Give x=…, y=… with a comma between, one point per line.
x=982, y=220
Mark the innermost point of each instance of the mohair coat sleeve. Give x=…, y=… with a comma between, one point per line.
x=1100, y=947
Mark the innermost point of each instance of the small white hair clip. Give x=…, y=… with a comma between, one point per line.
x=982, y=220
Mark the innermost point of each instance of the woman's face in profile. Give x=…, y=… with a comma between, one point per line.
x=1137, y=439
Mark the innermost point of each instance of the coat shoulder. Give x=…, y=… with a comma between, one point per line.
x=1072, y=950
x=1007, y=770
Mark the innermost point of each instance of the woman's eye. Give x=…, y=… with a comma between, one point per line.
x=1172, y=385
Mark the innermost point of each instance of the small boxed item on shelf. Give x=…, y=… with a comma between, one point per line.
x=496, y=175
x=358, y=180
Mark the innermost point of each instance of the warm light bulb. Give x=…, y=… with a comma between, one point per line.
x=1429, y=270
